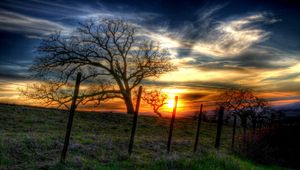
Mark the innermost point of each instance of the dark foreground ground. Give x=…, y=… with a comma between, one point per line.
x=32, y=138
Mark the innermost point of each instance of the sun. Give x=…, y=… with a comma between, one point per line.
x=171, y=95
x=170, y=103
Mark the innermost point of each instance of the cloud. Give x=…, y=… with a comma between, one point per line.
x=209, y=37
x=262, y=58
x=45, y=8
x=11, y=76
x=15, y=22
x=227, y=38
x=193, y=96
x=287, y=79
x=207, y=46
x=286, y=86
x=13, y=71
x=190, y=32
x=259, y=58
x=284, y=77
x=165, y=39
x=232, y=37
x=78, y=10
x=198, y=29
x=207, y=12
x=69, y=14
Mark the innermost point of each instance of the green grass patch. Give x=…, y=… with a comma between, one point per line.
x=32, y=138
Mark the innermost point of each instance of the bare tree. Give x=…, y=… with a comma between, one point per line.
x=243, y=103
x=113, y=56
x=156, y=99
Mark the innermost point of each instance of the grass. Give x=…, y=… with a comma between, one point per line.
x=32, y=138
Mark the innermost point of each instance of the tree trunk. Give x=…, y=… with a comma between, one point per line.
x=158, y=113
x=128, y=102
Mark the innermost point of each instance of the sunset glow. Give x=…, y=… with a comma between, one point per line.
x=149, y=84
x=213, y=47
x=171, y=97
x=170, y=103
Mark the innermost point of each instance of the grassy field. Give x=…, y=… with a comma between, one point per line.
x=32, y=138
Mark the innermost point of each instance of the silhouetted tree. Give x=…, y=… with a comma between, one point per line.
x=112, y=54
x=243, y=103
x=156, y=99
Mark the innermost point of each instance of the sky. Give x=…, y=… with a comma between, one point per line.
x=215, y=44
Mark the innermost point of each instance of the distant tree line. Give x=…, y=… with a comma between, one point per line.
x=242, y=103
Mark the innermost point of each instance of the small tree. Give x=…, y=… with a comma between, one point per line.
x=156, y=99
x=113, y=56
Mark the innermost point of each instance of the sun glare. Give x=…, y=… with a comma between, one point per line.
x=171, y=97
x=170, y=103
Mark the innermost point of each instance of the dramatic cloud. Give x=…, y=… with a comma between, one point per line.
x=13, y=71
x=14, y=22
x=285, y=77
x=230, y=38
x=214, y=46
x=198, y=29
x=46, y=7
x=254, y=58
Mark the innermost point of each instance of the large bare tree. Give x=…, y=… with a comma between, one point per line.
x=113, y=55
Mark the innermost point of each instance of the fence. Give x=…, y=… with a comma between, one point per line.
x=230, y=138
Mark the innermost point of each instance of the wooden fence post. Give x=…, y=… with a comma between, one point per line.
x=70, y=120
x=219, y=128
x=172, y=124
x=233, y=133
x=198, y=128
x=135, y=120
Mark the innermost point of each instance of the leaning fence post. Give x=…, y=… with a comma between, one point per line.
x=198, y=128
x=233, y=133
x=135, y=120
x=172, y=124
x=219, y=128
x=70, y=119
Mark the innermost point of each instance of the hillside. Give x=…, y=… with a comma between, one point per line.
x=32, y=138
